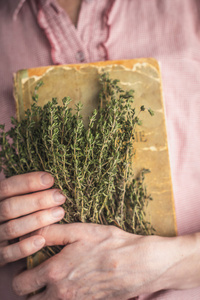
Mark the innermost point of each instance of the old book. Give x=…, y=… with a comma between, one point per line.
x=80, y=82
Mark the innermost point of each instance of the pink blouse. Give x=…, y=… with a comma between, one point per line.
x=38, y=33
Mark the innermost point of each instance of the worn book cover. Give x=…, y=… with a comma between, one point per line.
x=81, y=83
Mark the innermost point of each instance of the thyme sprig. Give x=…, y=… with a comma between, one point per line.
x=92, y=166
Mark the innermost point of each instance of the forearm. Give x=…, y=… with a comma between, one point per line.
x=184, y=272
x=161, y=263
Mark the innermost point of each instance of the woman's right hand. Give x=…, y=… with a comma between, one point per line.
x=26, y=204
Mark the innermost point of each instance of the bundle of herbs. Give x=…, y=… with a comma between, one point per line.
x=92, y=166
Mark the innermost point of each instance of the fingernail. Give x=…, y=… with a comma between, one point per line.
x=46, y=179
x=57, y=212
x=58, y=197
x=39, y=242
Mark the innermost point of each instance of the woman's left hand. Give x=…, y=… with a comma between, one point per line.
x=104, y=262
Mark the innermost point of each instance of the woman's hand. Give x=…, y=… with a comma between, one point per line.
x=104, y=262
x=26, y=204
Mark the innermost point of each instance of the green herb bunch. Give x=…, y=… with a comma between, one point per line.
x=91, y=166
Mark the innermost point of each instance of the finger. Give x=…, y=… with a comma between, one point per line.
x=19, y=227
x=21, y=249
x=34, y=279
x=60, y=234
x=15, y=207
x=45, y=274
x=24, y=184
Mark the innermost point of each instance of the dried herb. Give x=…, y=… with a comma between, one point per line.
x=91, y=166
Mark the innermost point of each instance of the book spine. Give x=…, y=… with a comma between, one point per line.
x=18, y=92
